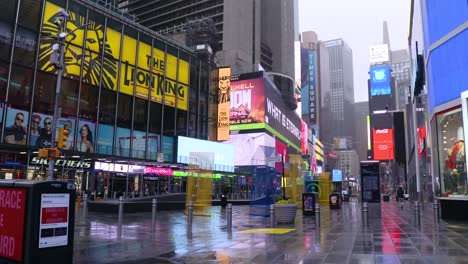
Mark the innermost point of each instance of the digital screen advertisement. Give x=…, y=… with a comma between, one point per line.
x=337, y=175
x=223, y=153
x=252, y=148
x=380, y=80
x=383, y=144
x=247, y=101
x=281, y=118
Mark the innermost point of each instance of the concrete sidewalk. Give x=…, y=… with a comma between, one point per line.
x=341, y=238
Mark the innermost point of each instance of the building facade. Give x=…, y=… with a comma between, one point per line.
x=443, y=43
x=246, y=34
x=361, y=140
x=341, y=96
x=127, y=93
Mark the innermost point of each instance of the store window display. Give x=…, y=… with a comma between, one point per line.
x=452, y=154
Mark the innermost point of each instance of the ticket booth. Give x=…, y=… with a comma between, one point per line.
x=37, y=221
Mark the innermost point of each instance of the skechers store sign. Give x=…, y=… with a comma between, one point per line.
x=280, y=117
x=70, y=164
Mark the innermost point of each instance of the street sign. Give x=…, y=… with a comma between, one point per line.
x=274, y=159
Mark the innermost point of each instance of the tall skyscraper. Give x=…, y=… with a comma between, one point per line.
x=361, y=113
x=401, y=69
x=243, y=34
x=341, y=96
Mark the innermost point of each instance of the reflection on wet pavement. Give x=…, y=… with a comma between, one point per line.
x=341, y=238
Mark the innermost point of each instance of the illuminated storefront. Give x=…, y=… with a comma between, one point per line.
x=126, y=92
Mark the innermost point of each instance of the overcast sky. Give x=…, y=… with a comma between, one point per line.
x=358, y=23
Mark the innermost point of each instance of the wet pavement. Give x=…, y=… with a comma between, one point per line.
x=342, y=237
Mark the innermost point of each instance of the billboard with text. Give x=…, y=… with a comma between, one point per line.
x=383, y=144
x=247, y=101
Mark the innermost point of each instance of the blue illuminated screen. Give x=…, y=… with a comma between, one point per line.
x=380, y=80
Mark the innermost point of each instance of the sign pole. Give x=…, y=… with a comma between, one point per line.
x=283, y=179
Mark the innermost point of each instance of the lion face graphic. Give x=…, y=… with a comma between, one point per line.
x=75, y=55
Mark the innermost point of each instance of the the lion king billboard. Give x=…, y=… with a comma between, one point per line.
x=142, y=69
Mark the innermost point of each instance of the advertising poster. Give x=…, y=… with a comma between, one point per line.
x=168, y=149
x=175, y=83
x=223, y=96
x=380, y=80
x=153, y=146
x=247, y=102
x=69, y=124
x=337, y=175
x=383, y=144
x=12, y=208
x=54, y=215
x=139, y=144
x=16, y=126
x=281, y=150
x=304, y=134
x=252, y=148
x=123, y=142
x=106, y=137
x=40, y=130
x=85, y=139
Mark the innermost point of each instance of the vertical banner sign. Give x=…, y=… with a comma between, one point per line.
x=53, y=227
x=312, y=77
x=12, y=207
x=224, y=99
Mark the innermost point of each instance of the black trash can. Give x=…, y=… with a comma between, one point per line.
x=224, y=200
x=308, y=203
x=38, y=219
x=335, y=200
x=345, y=197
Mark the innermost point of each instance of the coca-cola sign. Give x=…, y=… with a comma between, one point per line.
x=383, y=145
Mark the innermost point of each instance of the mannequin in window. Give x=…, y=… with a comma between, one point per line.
x=456, y=163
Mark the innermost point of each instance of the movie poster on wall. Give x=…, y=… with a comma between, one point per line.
x=85, y=139
x=247, y=101
x=40, y=133
x=223, y=102
x=16, y=127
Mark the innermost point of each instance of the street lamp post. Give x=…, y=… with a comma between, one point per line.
x=61, y=17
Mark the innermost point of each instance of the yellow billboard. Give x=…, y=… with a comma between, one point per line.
x=154, y=78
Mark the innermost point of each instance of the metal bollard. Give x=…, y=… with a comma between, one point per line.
x=121, y=207
x=436, y=210
x=417, y=212
x=272, y=215
x=190, y=214
x=229, y=218
x=365, y=214
x=153, y=216
x=85, y=205
x=317, y=214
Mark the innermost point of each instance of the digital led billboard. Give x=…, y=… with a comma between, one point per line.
x=247, y=101
x=380, y=80
x=383, y=144
x=223, y=154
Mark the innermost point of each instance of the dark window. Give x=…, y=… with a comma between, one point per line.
x=19, y=95
x=6, y=38
x=44, y=94
x=124, y=113
x=140, y=114
x=3, y=81
x=88, y=102
x=107, y=111
x=169, y=121
x=181, y=122
x=155, y=118
x=29, y=14
x=25, y=49
x=69, y=97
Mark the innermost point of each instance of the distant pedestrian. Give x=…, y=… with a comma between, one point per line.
x=400, y=195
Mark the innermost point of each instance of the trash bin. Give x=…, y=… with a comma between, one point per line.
x=38, y=219
x=335, y=200
x=224, y=200
x=308, y=203
x=345, y=197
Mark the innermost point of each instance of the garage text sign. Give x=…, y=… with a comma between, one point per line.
x=12, y=207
